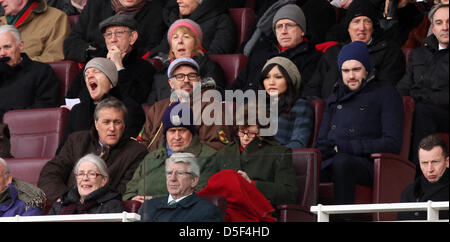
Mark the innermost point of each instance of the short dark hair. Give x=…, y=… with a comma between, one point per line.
x=431, y=141
x=111, y=102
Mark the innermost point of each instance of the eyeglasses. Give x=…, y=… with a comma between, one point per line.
x=90, y=175
x=249, y=134
x=179, y=173
x=118, y=34
x=288, y=26
x=191, y=76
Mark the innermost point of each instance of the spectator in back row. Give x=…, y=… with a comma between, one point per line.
x=362, y=117
x=24, y=83
x=386, y=57
x=43, y=28
x=432, y=184
x=122, y=155
x=92, y=193
x=135, y=74
x=427, y=81
x=18, y=197
x=289, y=26
x=185, y=39
x=219, y=31
x=85, y=41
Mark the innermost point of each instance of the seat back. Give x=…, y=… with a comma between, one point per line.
x=445, y=137
x=132, y=206
x=319, y=106
x=306, y=163
x=231, y=64
x=27, y=169
x=407, y=53
x=244, y=19
x=219, y=201
x=73, y=19
x=408, y=107
x=65, y=71
x=35, y=132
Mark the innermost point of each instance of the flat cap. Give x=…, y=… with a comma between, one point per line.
x=118, y=20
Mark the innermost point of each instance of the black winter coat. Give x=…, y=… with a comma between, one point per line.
x=150, y=28
x=208, y=68
x=304, y=56
x=135, y=81
x=368, y=120
x=219, y=30
x=385, y=56
x=105, y=199
x=421, y=191
x=30, y=84
x=427, y=76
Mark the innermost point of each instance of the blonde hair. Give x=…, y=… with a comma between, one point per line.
x=197, y=45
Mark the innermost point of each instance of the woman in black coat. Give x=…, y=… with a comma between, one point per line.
x=92, y=195
x=86, y=32
x=219, y=30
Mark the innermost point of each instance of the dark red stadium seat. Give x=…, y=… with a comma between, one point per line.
x=231, y=64
x=35, y=132
x=319, y=106
x=132, y=206
x=407, y=53
x=66, y=71
x=250, y=4
x=244, y=19
x=27, y=169
x=73, y=19
x=306, y=163
x=219, y=201
x=156, y=63
x=392, y=173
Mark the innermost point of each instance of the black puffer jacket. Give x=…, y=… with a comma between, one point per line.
x=219, y=30
x=150, y=28
x=106, y=200
x=385, y=56
x=427, y=77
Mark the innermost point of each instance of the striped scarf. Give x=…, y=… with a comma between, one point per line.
x=18, y=19
x=120, y=9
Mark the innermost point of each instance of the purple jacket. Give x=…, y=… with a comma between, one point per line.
x=17, y=207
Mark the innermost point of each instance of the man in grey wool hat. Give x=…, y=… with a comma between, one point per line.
x=289, y=26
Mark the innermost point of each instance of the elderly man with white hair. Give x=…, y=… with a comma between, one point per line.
x=182, y=204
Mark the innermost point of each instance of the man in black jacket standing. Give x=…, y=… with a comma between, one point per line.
x=24, y=83
x=433, y=181
x=427, y=80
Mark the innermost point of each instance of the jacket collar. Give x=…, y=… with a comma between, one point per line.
x=187, y=202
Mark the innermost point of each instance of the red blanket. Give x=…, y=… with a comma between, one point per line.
x=245, y=202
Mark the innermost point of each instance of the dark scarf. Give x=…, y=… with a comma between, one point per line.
x=74, y=206
x=78, y=208
x=426, y=189
x=13, y=20
x=120, y=9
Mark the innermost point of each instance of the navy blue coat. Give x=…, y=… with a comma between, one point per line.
x=190, y=209
x=361, y=122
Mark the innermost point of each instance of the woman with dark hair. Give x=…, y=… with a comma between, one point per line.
x=281, y=78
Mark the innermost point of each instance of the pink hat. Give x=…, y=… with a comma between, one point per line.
x=186, y=23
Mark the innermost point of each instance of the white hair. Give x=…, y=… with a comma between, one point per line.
x=186, y=158
x=14, y=31
x=5, y=165
x=94, y=159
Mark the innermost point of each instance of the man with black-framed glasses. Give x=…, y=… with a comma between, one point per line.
x=183, y=77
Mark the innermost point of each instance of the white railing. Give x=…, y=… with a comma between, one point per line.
x=323, y=211
x=104, y=217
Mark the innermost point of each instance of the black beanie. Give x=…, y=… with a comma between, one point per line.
x=361, y=8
